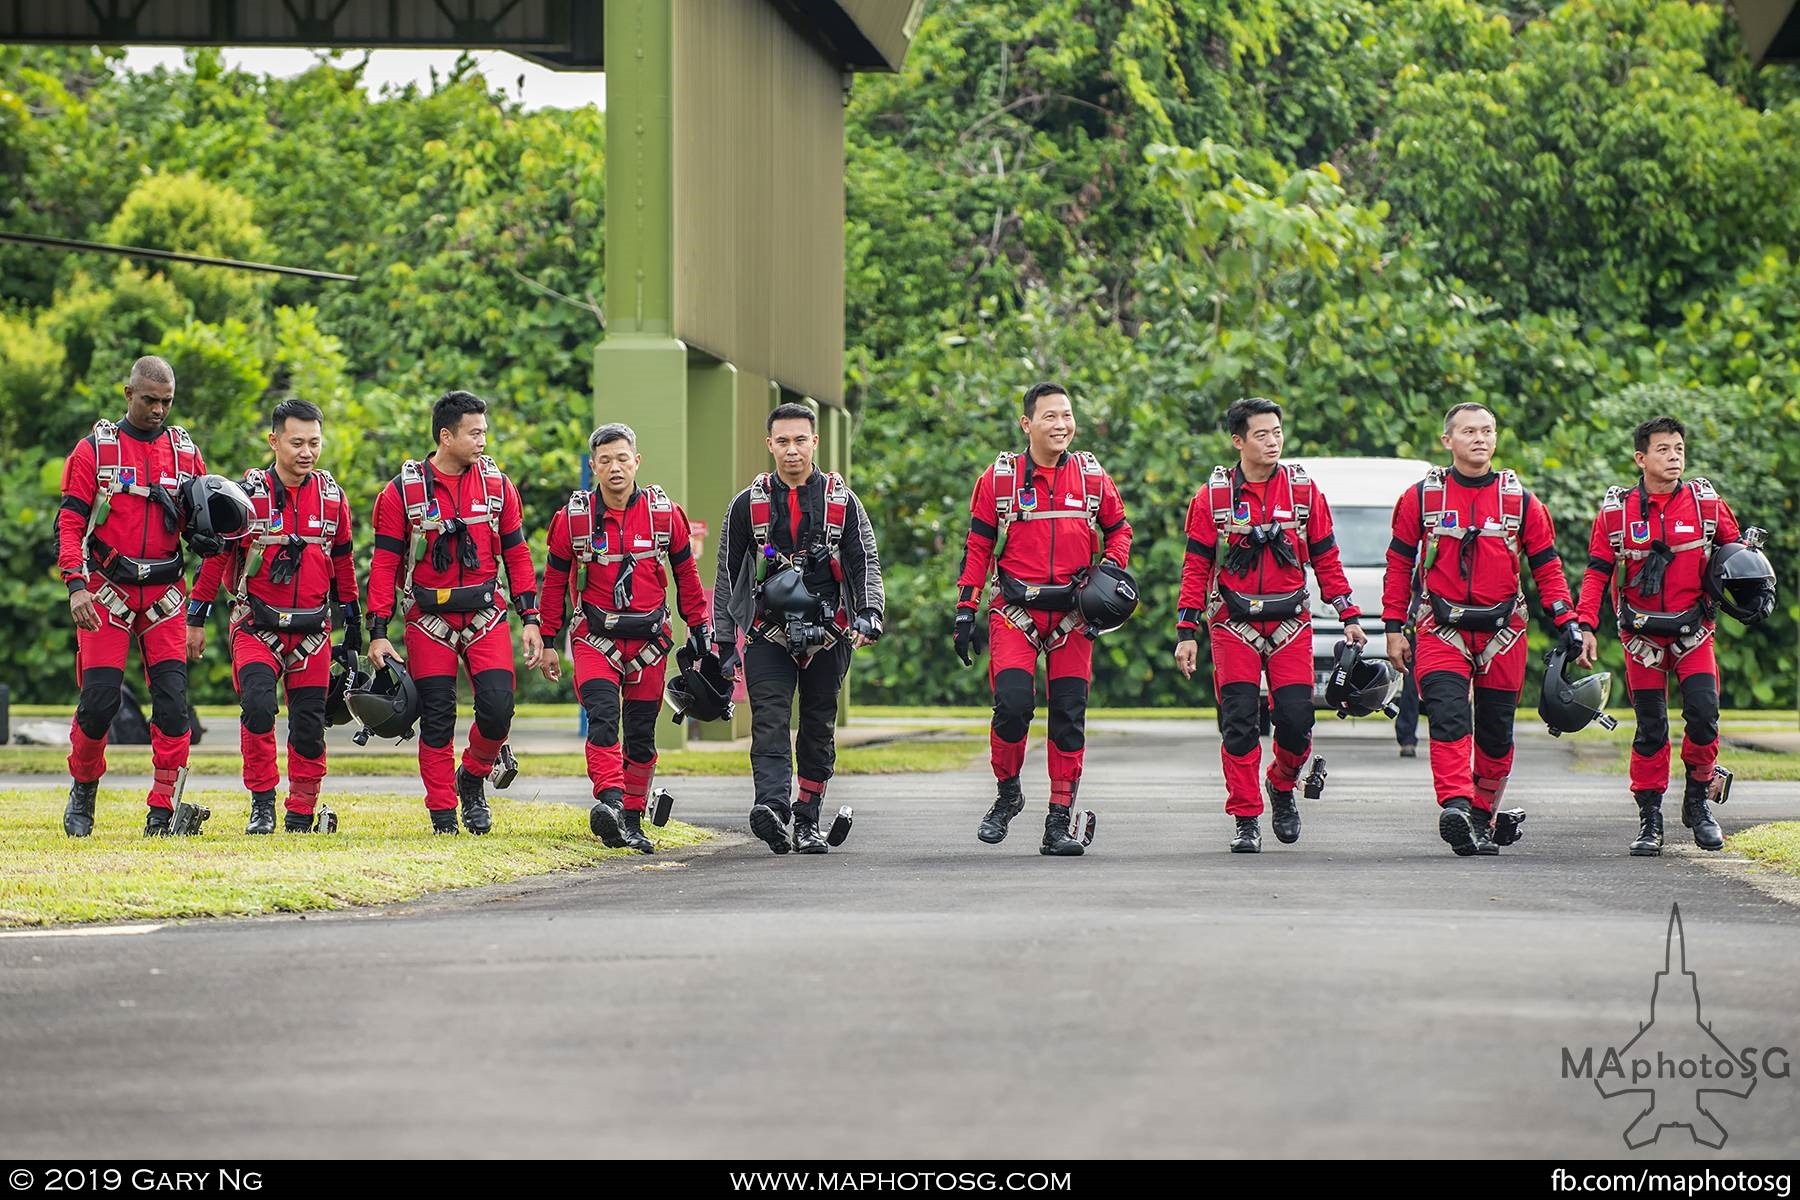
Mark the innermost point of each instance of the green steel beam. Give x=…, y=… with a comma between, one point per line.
x=640, y=187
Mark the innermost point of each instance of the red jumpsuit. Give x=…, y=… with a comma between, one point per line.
x=313, y=577
x=1041, y=551
x=1674, y=520
x=606, y=668
x=472, y=521
x=132, y=563
x=1474, y=563
x=1243, y=650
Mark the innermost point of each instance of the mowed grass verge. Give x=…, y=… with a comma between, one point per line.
x=1774, y=845
x=1744, y=764
x=385, y=852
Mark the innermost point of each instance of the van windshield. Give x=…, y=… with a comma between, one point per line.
x=1362, y=534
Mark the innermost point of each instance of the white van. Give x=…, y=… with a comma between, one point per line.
x=1361, y=493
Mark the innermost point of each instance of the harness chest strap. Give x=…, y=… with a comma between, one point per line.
x=1436, y=521
x=266, y=529
x=423, y=514
x=112, y=477
x=1613, y=517
x=837, y=512
x=1011, y=485
x=1010, y=479
x=584, y=523
x=1224, y=514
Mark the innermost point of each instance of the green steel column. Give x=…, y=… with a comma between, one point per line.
x=715, y=397
x=640, y=369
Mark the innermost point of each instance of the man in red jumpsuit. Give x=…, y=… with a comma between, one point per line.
x=615, y=545
x=283, y=582
x=1037, y=520
x=118, y=546
x=1662, y=532
x=1459, y=534
x=1251, y=533
x=442, y=528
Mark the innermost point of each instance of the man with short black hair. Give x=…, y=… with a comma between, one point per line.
x=800, y=577
x=612, y=549
x=1038, y=520
x=1458, y=537
x=1662, y=532
x=443, y=527
x=1252, y=531
x=283, y=582
x=119, y=549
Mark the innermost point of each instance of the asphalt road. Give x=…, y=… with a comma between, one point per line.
x=918, y=994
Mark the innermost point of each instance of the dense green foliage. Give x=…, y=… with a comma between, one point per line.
x=464, y=217
x=1367, y=210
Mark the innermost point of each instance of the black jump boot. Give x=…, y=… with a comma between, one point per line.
x=1481, y=820
x=1284, y=813
x=78, y=817
x=632, y=831
x=771, y=826
x=807, y=838
x=1650, y=825
x=607, y=819
x=1696, y=814
x=156, y=822
x=297, y=823
x=472, y=791
x=1456, y=825
x=1248, y=839
x=1009, y=803
x=1057, y=840
x=443, y=820
x=262, y=813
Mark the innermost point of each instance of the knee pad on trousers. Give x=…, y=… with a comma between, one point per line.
x=1494, y=721
x=1652, y=709
x=1444, y=695
x=168, y=697
x=256, y=698
x=494, y=703
x=1240, y=717
x=1068, y=713
x=437, y=709
x=1700, y=709
x=640, y=729
x=100, y=700
x=1293, y=717
x=1014, y=700
x=306, y=721
x=600, y=700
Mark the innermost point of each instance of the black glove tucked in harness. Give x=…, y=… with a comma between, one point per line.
x=1249, y=548
x=455, y=538
x=1649, y=579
